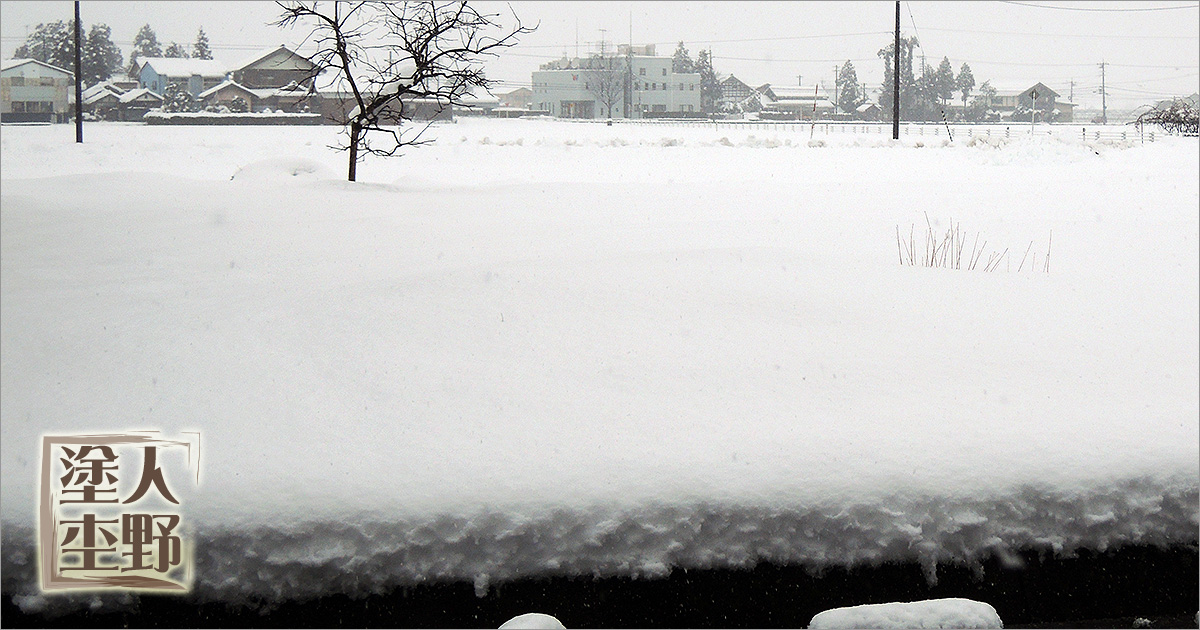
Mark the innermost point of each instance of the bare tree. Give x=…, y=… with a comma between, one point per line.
x=606, y=80
x=1177, y=117
x=384, y=56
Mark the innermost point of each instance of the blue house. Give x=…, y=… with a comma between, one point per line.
x=156, y=73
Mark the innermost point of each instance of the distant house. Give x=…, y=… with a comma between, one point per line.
x=156, y=73
x=103, y=100
x=470, y=105
x=1018, y=104
x=796, y=102
x=274, y=68
x=867, y=111
x=519, y=98
x=33, y=91
x=335, y=105
x=733, y=92
x=135, y=103
x=224, y=94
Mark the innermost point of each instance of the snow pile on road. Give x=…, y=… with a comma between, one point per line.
x=931, y=613
x=532, y=621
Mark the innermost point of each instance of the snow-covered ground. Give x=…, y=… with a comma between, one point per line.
x=539, y=346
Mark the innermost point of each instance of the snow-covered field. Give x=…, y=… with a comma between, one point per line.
x=550, y=347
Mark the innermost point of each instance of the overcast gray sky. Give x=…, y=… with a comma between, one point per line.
x=1152, y=47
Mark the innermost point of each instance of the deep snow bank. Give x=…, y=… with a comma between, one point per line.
x=933, y=613
x=503, y=362
x=369, y=553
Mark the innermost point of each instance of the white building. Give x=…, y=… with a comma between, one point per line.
x=32, y=91
x=632, y=85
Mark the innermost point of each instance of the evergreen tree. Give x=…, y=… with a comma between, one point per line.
x=925, y=104
x=54, y=44
x=200, y=49
x=943, y=82
x=965, y=83
x=850, y=93
x=176, y=98
x=145, y=44
x=176, y=51
x=101, y=58
x=908, y=82
x=710, y=86
x=682, y=62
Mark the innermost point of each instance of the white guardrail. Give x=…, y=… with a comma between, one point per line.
x=959, y=131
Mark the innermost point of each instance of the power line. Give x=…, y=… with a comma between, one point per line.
x=734, y=41
x=1086, y=36
x=838, y=60
x=1124, y=10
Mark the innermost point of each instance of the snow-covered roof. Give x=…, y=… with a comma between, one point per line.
x=14, y=63
x=799, y=105
x=173, y=67
x=133, y=95
x=796, y=92
x=478, y=101
x=262, y=54
x=228, y=84
x=100, y=88
x=99, y=96
x=865, y=106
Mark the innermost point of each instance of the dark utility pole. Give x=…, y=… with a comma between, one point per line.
x=78, y=77
x=896, y=80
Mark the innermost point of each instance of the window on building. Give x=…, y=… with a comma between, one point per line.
x=692, y=88
x=46, y=81
x=642, y=72
x=664, y=87
x=32, y=107
x=17, y=82
x=681, y=89
x=665, y=74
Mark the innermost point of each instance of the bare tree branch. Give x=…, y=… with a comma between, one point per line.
x=391, y=57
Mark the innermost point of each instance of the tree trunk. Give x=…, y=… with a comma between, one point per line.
x=355, y=131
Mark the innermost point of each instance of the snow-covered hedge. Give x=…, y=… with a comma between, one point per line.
x=245, y=118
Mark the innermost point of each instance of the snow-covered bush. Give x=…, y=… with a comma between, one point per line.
x=176, y=98
x=1181, y=117
x=239, y=105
